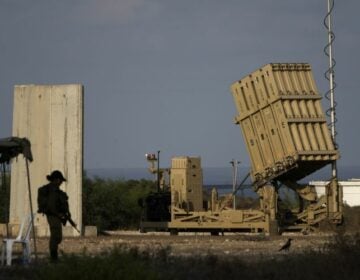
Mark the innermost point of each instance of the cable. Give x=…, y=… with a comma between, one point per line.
x=330, y=73
x=241, y=185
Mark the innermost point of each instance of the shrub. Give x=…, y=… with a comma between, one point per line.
x=113, y=204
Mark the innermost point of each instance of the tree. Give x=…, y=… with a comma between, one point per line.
x=113, y=204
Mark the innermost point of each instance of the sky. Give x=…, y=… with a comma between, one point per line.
x=157, y=73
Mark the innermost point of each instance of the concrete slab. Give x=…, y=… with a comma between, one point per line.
x=90, y=231
x=51, y=117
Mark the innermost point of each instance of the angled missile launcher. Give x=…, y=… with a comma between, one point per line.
x=283, y=122
x=287, y=138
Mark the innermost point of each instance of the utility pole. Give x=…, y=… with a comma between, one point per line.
x=158, y=171
x=234, y=163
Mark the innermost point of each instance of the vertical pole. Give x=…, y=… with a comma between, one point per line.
x=31, y=207
x=158, y=171
x=234, y=164
x=235, y=182
x=333, y=189
x=331, y=83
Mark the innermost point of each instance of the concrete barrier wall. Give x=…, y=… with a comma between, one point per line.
x=51, y=117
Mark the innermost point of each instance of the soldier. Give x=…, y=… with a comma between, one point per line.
x=53, y=202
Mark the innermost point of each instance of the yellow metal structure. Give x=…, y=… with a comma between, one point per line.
x=283, y=123
x=186, y=183
x=286, y=134
x=287, y=137
x=190, y=212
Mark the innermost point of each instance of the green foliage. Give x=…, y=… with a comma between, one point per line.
x=288, y=199
x=351, y=218
x=113, y=204
x=247, y=202
x=107, y=204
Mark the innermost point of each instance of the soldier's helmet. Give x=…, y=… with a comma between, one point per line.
x=56, y=174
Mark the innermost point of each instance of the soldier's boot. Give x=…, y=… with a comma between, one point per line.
x=54, y=255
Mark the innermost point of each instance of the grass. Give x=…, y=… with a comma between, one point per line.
x=336, y=260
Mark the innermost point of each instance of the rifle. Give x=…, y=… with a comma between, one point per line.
x=67, y=218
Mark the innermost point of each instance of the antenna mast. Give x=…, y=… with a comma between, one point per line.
x=330, y=75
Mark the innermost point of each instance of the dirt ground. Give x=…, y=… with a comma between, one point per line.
x=250, y=246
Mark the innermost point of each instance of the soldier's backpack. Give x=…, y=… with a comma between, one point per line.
x=52, y=202
x=42, y=199
x=63, y=205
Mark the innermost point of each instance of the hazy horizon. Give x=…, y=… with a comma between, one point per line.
x=216, y=175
